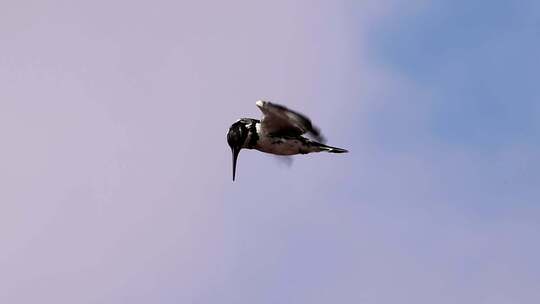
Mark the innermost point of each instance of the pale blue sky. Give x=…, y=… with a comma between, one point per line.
x=479, y=60
x=117, y=174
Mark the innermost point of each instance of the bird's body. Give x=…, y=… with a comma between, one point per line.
x=279, y=132
x=266, y=142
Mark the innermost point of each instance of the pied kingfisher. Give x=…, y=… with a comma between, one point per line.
x=278, y=132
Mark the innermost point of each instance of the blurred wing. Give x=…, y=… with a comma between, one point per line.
x=284, y=160
x=281, y=121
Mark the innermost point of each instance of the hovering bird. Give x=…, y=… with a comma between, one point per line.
x=278, y=132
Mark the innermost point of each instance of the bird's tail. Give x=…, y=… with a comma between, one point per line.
x=331, y=149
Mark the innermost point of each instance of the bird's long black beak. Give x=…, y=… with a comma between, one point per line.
x=235, y=152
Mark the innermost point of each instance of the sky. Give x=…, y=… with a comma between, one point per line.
x=116, y=174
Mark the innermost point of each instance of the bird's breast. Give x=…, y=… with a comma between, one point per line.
x=281, y=145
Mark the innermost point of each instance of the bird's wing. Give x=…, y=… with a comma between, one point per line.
x=279, y=120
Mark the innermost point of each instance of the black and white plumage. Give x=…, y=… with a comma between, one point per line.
x=278, y=132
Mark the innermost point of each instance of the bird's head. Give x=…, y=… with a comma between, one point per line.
x=236, y=137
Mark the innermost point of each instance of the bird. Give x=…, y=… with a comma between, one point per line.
x=280, y=131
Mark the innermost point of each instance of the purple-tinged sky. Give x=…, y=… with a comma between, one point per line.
x=116, y=175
